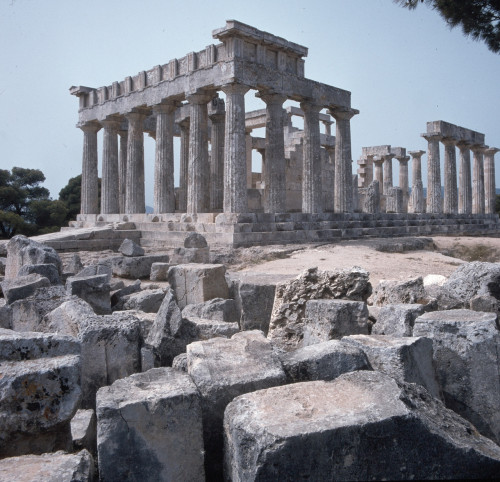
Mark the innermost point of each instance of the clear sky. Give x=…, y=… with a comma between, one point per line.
x=404, y=68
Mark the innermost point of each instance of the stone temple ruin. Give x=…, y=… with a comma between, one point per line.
x=305, y=190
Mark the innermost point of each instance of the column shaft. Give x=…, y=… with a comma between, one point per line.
x=464, y=180
x=388, y=182
x=378, y=172
x=89, y=190
x=433, y=174
x=329, y=180
x=217, y=162
x=110, y=186
x=489, y=180
x=184, y=166
x=135, y=201
x=450, y=204
x=122, y=169
x=478, y=181
x=416, y=201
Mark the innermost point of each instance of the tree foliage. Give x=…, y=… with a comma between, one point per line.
x=479, y=19
x=71, y=195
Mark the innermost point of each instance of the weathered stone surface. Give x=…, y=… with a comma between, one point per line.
x=3, y=262
x=159, y=272
x=197, y=283
x=22, y=250
x=466, y=348
x=5, y=315
x=486, y=303
x=434, y=279
x=389, y=292
x=93, y=289
x=95, y=269
x=216, y=309
x=136, y=266
x=286, y=324
x=67, y=317
x=84, y=430
x=146, y=321
x=58, y=466
x=195, y=240
x=323, y=361
x=197, y=329
x=148, y=301
x=49, y=271
x=397, y=320
x=118, y=297
x=180, y=362
x=191, y=255
x=129, y=248
x=223, y=369
x=22, y=286
x=404, y=359
x=360, y=426
x=331, y=319
x=372, y=199
x=149, y=427
x=73, y=266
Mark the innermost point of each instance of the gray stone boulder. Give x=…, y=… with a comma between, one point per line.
x=129, y=248
x=94, y=290
x=136, y=267
x=198, y=329
x=3, y=262
x=73, y=266
x=84, y=430
x=118, y=296
x=216, y=309
x=22, y=286
x=49, y=271
x=149, y=427
x=405, y=359
x=485, y=303
x=95, y=269
x=360, y=426
x=195, y=240
x=197, y=283
x=466, y=357
x=397, y=320
x=67, y=317
x=323, y=361
x=58, y=466
x=159, y=272
x=148, y=301
x=191, y=255
x=291, y=297
x=390, y=292
x=22, y=250
x=5, y=314
x=180, y=362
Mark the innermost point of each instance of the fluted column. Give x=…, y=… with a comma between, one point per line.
x=489, y=180
x=416, y=201
x=464, y=179
x=218, y=119
x=235, y=163
x=184, y=165
x=135, y=201
x=450, y=202
x=110, y=185
x=478, y=180
x=388, y=182
x=343, y=159
x=89, y=191
x=403, y=179
x=274, y=174
x=329, y=180
x=122, y=169
x=312, y=192
x=378, y=172
x=433, y=173
x=164, y=194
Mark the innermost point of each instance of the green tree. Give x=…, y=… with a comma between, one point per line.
x=479, y=19
x=48, y=215
x=71, y=195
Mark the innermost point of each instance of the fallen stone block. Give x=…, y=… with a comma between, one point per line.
x=397, y=320
x=389, y=292
x=149, y=427
x=148, y=301
x=195, y=240
x=159, y=271
x=197, y=283
x=360, y=426
x=405, y=359
x=118, y=296
x=73, y=266
x=22, y=286
x=5, y=315
x=180, y=362
x=58, y=466
x=146, y=321
x=95, y=269
x=197, y=329
x=466, y=347
x=191, y=255
x=67, y=317
x=291, y=296
x=84, y=430
x=3, y=262
x=485, y=303
x=93, y=289
x=129, y=248
x=216, y=309
x=136, y=267
x=223, y=369
x=323, y=361
x=49, y=271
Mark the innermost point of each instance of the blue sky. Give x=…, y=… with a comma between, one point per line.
x=404, y=68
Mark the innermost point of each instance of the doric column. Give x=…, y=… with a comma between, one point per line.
x=89, y=196
x=164, y=194
x=110, y=185
x=312, y=191
x=343, y=159
x=489, y=180
x=135, y=201
x=184, y=165
x=122, y=169
x=218, y=117
x=235, y=166
x=378, y=172
x=478, y=180
x=198, y=193
x=388, y=182
x=433, y=173
x=416, y=202
x=403, y=179
x=464, y=179
x=450, y=202
x=274, y=175
x=328, y=180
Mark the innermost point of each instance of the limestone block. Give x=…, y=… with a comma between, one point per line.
x=191, y=255
x=49, y=271
x=485, y=303
x=390, y=292
x=397, y=320
x=136, y=267
x=159, y=272
x=223, y=369
x=95, y=269
x=3, y=262
x=67, y=317
x=216, y=309
x=73, y=266
x=404, y=359
x=149, y=427
x=360, y=426
x=129, y=248
x=148, y=358
x=118, y=296
x=372, y=199
x=196, y=329
x=286, y=326
x=195, y=240
x=5, y=314
x=197, y=283
x=148, y=301
x=466, y=348
x=58, y=466
x=180, y=362
x=22, y=286
x=332, y=319
x=84, y=430
x=323, y=361
x=93, y=289
x=22, y=250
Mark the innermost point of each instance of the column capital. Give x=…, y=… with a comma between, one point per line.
x=377, y=160
x=449, y=141
x=138, y=115
x=491, y=151
x=388, y=157
x=478, y=148
x=200, y=97
x=342, y=113
x=92, y=126
x=310, y=105
x=167, y=107
x=403, y=159
x=431, y=136
x=271, y=98
x=416, y=154
x=122, y=133
x=112, y=123
x=235, y=88
x=464, y=145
